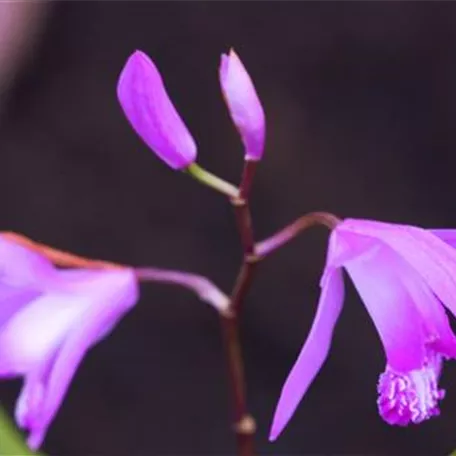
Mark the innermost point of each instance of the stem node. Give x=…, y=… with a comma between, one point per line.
x=245, y=426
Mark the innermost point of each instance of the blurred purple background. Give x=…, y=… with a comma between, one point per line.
x=360, y=100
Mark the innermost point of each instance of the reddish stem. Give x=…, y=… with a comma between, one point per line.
x=291, y=231
x=244, y=424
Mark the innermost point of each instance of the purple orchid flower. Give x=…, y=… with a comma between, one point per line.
x=49, y=319
x=244, y=105
x=151, y=113
x=404, y=276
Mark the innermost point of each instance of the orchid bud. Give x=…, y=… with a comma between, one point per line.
x=244, y=105
x=151, y=113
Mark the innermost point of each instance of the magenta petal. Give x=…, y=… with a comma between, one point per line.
x=31, y=397
x=243, y=103
x=313, y=353
x=439, y=334
x=12, y=300
x=393, y=312
x=37, y=330
x=427, y=254
x=109, y=296
x=146, y=104
x=446, y=235
x=21, y=268
x=23, y=276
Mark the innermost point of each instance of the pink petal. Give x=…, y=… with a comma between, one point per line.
x=115, y=295
x=151, y=113
x=393, y=312
x=32, y=395
x=22, y=268
x=23, y=277
x=446, y=235
x=12, y=300
x=439, y=334
x=37, y=330
x=243, y=103
x=429, y=256
x=313, y=353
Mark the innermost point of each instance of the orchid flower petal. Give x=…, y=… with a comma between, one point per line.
x=314, y=352
x=22, y=268
x=429, y=256
x=115, y=294
x=12, y=300
x=243, y=103
x=391, y=308
x=151, y=113
x=439, y=334
x=34, y=331
x=446, y=235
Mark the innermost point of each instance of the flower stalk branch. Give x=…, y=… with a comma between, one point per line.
x=202, y=286
x=291, y=231
x=211, y=180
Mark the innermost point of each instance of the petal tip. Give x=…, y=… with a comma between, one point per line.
x=35, y=440
x=273, y=434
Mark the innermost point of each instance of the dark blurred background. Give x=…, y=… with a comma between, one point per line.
x=360, y=100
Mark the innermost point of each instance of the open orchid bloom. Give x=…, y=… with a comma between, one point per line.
x=49, y=319
x=404, y=275
x=146, y=104
x=243, y=103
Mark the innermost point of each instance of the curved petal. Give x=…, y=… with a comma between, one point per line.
x=37, y=330
x=24, y=275
x=12, y=300
x=151, y=113
x=393, y=312
x=446, y=235
x=313, y=353
x=116, y=294
x=32, y=394
x=439, y=334
x=429, y=256
x=22, y=268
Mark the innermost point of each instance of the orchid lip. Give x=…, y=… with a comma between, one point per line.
x=411, y=397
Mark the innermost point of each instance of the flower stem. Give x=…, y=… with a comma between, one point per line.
x=244, y=423
x=247, y=178
x=211, y=180
x=291, y=231
x=203, y=287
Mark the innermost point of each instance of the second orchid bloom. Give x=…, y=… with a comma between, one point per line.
x=405, y=276
x=49, y=319
x=147, y=106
